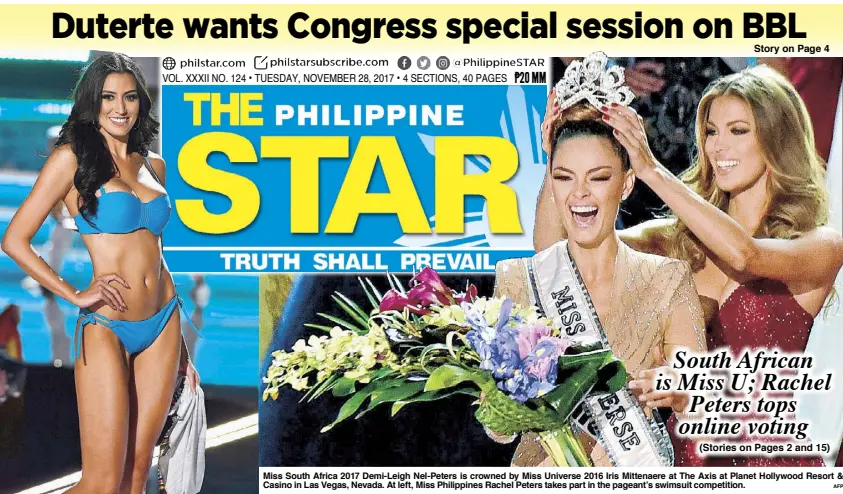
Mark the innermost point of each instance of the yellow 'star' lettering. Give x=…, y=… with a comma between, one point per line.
x=401, y=200
x=304, y=154
x=195, y=171
x=452, y=184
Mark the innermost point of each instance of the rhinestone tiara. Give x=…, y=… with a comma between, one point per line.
x=592, y=81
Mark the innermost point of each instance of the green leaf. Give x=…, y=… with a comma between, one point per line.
x=565, y=397
x=359, y=310
x=395, y=283
x=432, y=396
x=432, y=348
x=326, y=329
x=470, y=351
x=347, y=385
x=343, y=323
x=321, y=387
x=580, y=374
x=586, y=348
x=601, y=357
x=344, y=387
x=393, y=394
x=448, y=376
x=372, y=293
x=611, y=378
x=393, y=319
x=351, y=309
x=351, y=406
x=381, y=373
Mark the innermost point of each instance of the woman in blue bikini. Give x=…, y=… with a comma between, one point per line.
x=128, y=343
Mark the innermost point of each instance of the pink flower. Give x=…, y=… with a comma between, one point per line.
x=529, y=338
x=433, y=286
x=469, y=295
x=540, y=351
x=397, y=301
x=428, y=290
x=429, y=294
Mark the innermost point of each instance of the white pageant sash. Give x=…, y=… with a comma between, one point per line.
x=616, y=420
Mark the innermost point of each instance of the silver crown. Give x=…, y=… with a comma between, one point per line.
x=590, y=80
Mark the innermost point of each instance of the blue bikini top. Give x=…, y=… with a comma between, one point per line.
x=122, y=212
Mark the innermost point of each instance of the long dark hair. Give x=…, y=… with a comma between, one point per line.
x=95, y=166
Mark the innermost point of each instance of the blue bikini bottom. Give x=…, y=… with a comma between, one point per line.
x=136, y=336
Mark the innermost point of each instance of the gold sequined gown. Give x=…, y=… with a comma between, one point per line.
x=653, y=302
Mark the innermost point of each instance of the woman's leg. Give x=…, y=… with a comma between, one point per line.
x=102, y=378
x=153, y=378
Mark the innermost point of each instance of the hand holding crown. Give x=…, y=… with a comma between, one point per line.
x=630, y=132
x=551, y=117
x=591, y=80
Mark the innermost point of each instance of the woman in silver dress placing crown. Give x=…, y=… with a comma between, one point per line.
x=645, y=307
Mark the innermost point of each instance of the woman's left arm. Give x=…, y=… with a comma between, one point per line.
x=684, y=330
x=815, y=258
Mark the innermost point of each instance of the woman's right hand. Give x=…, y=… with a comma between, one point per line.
x=101, y=291
x=649, y=397
x=551, y=115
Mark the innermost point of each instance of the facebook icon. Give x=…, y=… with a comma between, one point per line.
x=404, y=63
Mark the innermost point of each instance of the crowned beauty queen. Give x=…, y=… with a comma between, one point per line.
x=641, y=306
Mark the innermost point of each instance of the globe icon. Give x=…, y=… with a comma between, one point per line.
x=169, y=63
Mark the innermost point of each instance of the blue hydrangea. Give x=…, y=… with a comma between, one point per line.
x=521, y=358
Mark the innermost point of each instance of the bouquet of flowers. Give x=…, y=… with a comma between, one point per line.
x=430, y=343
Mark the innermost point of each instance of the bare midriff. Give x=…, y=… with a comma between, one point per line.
x=136, y=258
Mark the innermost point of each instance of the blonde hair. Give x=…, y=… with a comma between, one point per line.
x=797, y=197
